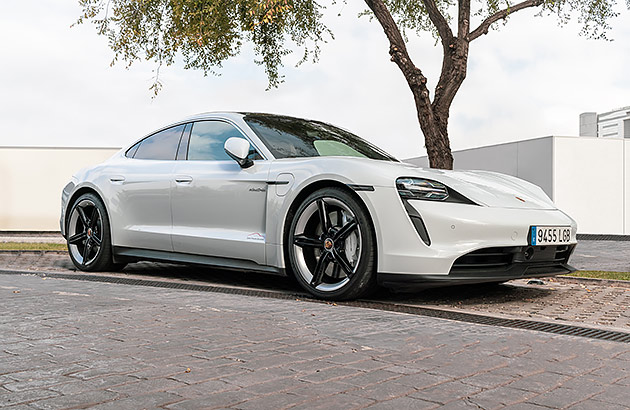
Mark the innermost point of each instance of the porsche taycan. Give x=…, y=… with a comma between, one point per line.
x=304, y=198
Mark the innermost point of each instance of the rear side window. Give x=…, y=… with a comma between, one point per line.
x=208, y=138
x=160, y=146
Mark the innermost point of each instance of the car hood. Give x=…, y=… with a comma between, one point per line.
x=483, y=187
x=493, y=189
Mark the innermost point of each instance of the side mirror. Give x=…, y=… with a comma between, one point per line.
x=238, y=149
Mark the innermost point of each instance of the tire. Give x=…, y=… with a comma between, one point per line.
x=89, y=236
x=330, y=245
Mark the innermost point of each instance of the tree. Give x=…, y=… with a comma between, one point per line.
x=208, y=32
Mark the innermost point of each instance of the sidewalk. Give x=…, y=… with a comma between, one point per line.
x=35, y=237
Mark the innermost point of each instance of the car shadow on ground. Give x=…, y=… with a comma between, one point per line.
x=458, y=296
x=469, y=295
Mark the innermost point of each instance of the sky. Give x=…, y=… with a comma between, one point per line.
x=530, y=78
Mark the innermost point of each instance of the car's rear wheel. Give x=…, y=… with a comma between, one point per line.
x=88, y=235
x=331, y=245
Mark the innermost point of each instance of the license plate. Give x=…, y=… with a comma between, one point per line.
x=550, y=235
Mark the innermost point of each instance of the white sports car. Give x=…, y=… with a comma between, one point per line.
x=279, y=194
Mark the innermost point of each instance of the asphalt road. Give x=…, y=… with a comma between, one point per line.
x=611, y=256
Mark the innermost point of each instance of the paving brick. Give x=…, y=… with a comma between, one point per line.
x=278, y=385
x=446, y=392
x=314, y=391
x=26, y=396
x=147, y=386
x=272, y=401
x=192, y=391
x=338, y=401
x=540, y=382
x=250, y=378
x=500, y=397
x=403, y=403
x=199, y=374
x=614, y=394
x=422, y=380
x=590, y=404
x=37, y=383
x=144, y=401
x=82, y=400
x=561, y=397
x=213, y=401
x=364, y=379
x=489, y=380
x=333, y=373
x=386, y=390
x=102, y=383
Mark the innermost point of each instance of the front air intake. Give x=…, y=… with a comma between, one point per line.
x=418, y=223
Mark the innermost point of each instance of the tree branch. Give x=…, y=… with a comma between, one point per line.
x=398, y=49
x=501, y=14
x=463, y=19
x=438, y=20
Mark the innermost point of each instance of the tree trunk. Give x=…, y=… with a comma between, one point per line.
x=432, y=116
x=435, y=132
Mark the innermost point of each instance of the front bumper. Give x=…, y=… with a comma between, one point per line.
x=497, y=264
x=454, y=230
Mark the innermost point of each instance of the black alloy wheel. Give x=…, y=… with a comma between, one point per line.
x=331, y=246
x=88, y=235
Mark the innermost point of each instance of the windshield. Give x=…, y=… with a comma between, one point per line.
x=288, y=137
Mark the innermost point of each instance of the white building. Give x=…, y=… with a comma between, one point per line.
x=611, y=124
x=32, y=180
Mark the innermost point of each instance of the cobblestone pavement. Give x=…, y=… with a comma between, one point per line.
x=76, y=344
x=556, y=300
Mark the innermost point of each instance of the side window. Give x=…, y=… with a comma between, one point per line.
x=162, y=145
x=132, y=151
x=208, y=138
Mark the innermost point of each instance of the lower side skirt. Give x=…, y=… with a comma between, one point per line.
x=125, y=254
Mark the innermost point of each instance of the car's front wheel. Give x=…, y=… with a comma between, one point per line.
x=331, y=246
x=88, y=235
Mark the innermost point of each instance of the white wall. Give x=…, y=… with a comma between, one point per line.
x=590, y=177
x=31, y=180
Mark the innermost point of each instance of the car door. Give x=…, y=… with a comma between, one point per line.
x=218, y=207
x=140, y=192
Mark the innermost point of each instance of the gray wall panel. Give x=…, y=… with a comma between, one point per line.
x=498, y=158
x=535, y=165
x=530, y=160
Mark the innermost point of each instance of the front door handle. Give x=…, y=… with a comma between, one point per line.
x=183, y=179
x=117, y=179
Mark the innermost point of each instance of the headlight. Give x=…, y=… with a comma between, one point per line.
x=417, y=188
x=427, y=189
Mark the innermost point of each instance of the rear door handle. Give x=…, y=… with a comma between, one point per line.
x=183, y=179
